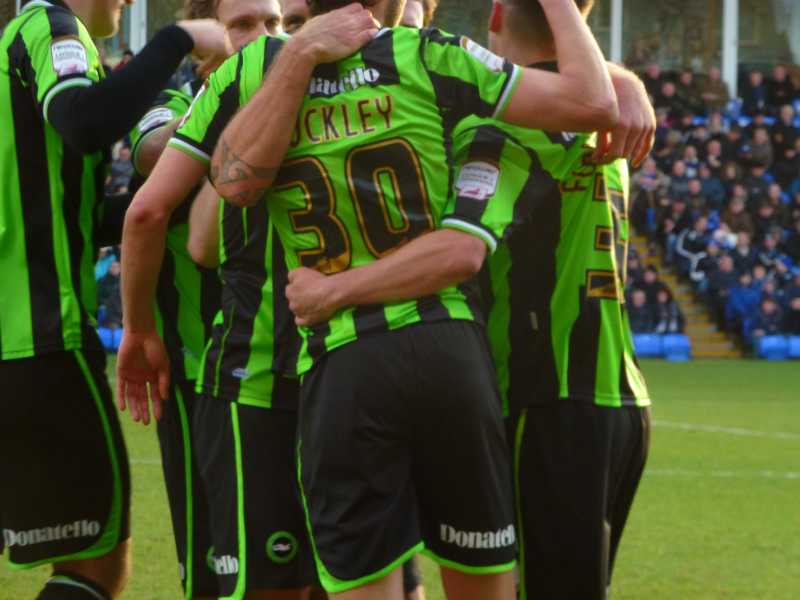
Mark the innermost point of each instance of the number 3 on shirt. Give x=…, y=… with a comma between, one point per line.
x=370, y=171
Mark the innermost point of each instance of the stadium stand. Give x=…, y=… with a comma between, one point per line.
x=717, y=212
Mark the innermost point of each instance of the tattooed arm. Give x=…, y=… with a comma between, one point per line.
x=251, y=149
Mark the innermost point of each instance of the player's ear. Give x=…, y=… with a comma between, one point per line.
x=496, y=18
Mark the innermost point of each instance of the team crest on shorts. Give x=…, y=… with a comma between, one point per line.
x=282, y=547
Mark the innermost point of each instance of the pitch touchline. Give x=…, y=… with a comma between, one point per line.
x=724, y=474
x=778, y=435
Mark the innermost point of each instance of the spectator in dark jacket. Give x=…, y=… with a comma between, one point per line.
x=706, y=267
x=755, y=94
x=792, y=244
x=653, y=79
x=769, y=255
x=744, y=255
x=669, y=99
x=679, y=219
x=679, y=180
x=669, y=318
x=721, y=282
x=690, y=247
x=787, y=166
x=784, y=133
x=757, y=183
x=640, y=313
x=766, y=220
x=768, y=320
x=711, y=187
x=695, y=198
x=793, y=305
x=733, y=143
x=781, y=89
x=651, y=285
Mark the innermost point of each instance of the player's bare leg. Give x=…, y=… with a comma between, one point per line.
x=300, y=594
x=387, y=588
x=417, y=594
x=110, y=572
x=465, y=586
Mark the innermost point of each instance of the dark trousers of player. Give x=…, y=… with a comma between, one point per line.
x=188, y=500
x=576, y=470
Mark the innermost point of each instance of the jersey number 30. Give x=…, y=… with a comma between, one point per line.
x=369, y=170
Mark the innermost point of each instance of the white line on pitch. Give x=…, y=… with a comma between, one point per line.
x=778, y=435
x=145, y=461
x=725, y=474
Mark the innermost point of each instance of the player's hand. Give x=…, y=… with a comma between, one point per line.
x=311, y=296
x=210, y=42
x=336, y=34
x=634, y=135
x=142, y=366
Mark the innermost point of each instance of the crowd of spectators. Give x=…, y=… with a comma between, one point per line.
x=721, y=196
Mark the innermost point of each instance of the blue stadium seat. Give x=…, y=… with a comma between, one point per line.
x=648, y=345
x=106, y=338
x=773, y=347
x=677, y=347
x=794, y=346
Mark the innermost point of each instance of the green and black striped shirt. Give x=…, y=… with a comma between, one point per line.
x=187, y=295
x=554, y=288
x=368, y=167
x=49, y=193
x=254, y=343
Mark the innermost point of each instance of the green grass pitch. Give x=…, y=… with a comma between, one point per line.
x=717, y=515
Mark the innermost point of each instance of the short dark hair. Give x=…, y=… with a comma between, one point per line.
x=318, y=7
x=392, y=16
x=528, y=18
x=200, y=9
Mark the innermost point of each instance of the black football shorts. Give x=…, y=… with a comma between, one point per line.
x=63, y=462
x=576, y=469
x=247, y=459
x=402, y=450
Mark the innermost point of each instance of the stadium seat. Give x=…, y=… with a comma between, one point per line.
x=648, y=345
x=677, y=347
x=794, y=346
x=106, y=338
x=773, y=347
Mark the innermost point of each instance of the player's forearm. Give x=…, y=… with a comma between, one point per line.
x=580, y=59
x=145, y=231
x=422, y=267
x=203, y=242
x=143, y=243
x=254, y=143
x=580, y=97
